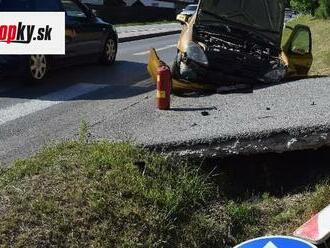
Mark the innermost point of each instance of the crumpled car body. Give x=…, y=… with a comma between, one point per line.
x=240, y=41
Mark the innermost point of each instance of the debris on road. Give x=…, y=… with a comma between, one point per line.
x=205, y=113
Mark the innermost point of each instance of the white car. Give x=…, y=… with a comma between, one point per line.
x=187, y=12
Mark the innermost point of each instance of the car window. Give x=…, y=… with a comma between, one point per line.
x=301, y=42
x=72, y=9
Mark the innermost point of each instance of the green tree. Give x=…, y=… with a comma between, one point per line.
x=323, y=10
x=305, y=6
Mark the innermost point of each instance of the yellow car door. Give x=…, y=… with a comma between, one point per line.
x=298, y=51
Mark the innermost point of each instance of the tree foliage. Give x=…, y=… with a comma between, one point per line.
x=305, y=6
x=323, y=11
x=318, y=8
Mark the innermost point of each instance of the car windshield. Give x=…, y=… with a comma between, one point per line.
x=29, y=5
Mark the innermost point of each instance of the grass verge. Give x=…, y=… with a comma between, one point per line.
x=321, y=45
x=103, y=194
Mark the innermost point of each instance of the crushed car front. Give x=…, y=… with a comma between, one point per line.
x=232, y=41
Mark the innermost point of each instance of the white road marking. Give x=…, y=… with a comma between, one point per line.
x=144, y=83
x=158, y=49
x=31, y=106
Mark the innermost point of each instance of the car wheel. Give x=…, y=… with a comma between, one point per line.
x=37, y=68
x=109, y=52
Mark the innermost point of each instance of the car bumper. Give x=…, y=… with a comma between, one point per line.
x=178, y=86
x=182, y=86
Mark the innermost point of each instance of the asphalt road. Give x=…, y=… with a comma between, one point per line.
x=32, y=117
x=119, y=104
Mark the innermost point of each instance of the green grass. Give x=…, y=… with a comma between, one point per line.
x=102, y=194
x=321, y=45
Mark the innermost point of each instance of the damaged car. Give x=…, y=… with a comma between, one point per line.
x=228, y=42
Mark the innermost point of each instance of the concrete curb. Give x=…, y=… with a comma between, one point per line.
x=147, y=36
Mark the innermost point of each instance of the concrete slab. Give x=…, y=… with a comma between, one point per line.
x=278, y=118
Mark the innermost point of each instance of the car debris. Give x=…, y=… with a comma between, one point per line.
x=205, y=113
x=226, y=43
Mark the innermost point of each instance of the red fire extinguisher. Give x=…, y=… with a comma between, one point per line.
x=163, y=87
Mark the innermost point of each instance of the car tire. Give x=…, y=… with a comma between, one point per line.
x=37, y=68
x=109, y=51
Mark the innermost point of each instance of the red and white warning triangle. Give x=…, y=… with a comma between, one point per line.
x=317, y=229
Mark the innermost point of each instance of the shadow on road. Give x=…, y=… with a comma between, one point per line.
x=115, y=82
x=239, y=88
x=258, y=86
x=289, y=80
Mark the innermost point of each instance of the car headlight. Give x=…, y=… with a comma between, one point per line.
x=196, y=53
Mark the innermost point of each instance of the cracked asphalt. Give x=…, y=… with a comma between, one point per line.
x=119, y=104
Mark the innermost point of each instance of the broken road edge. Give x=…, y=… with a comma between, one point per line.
x=276, y=141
